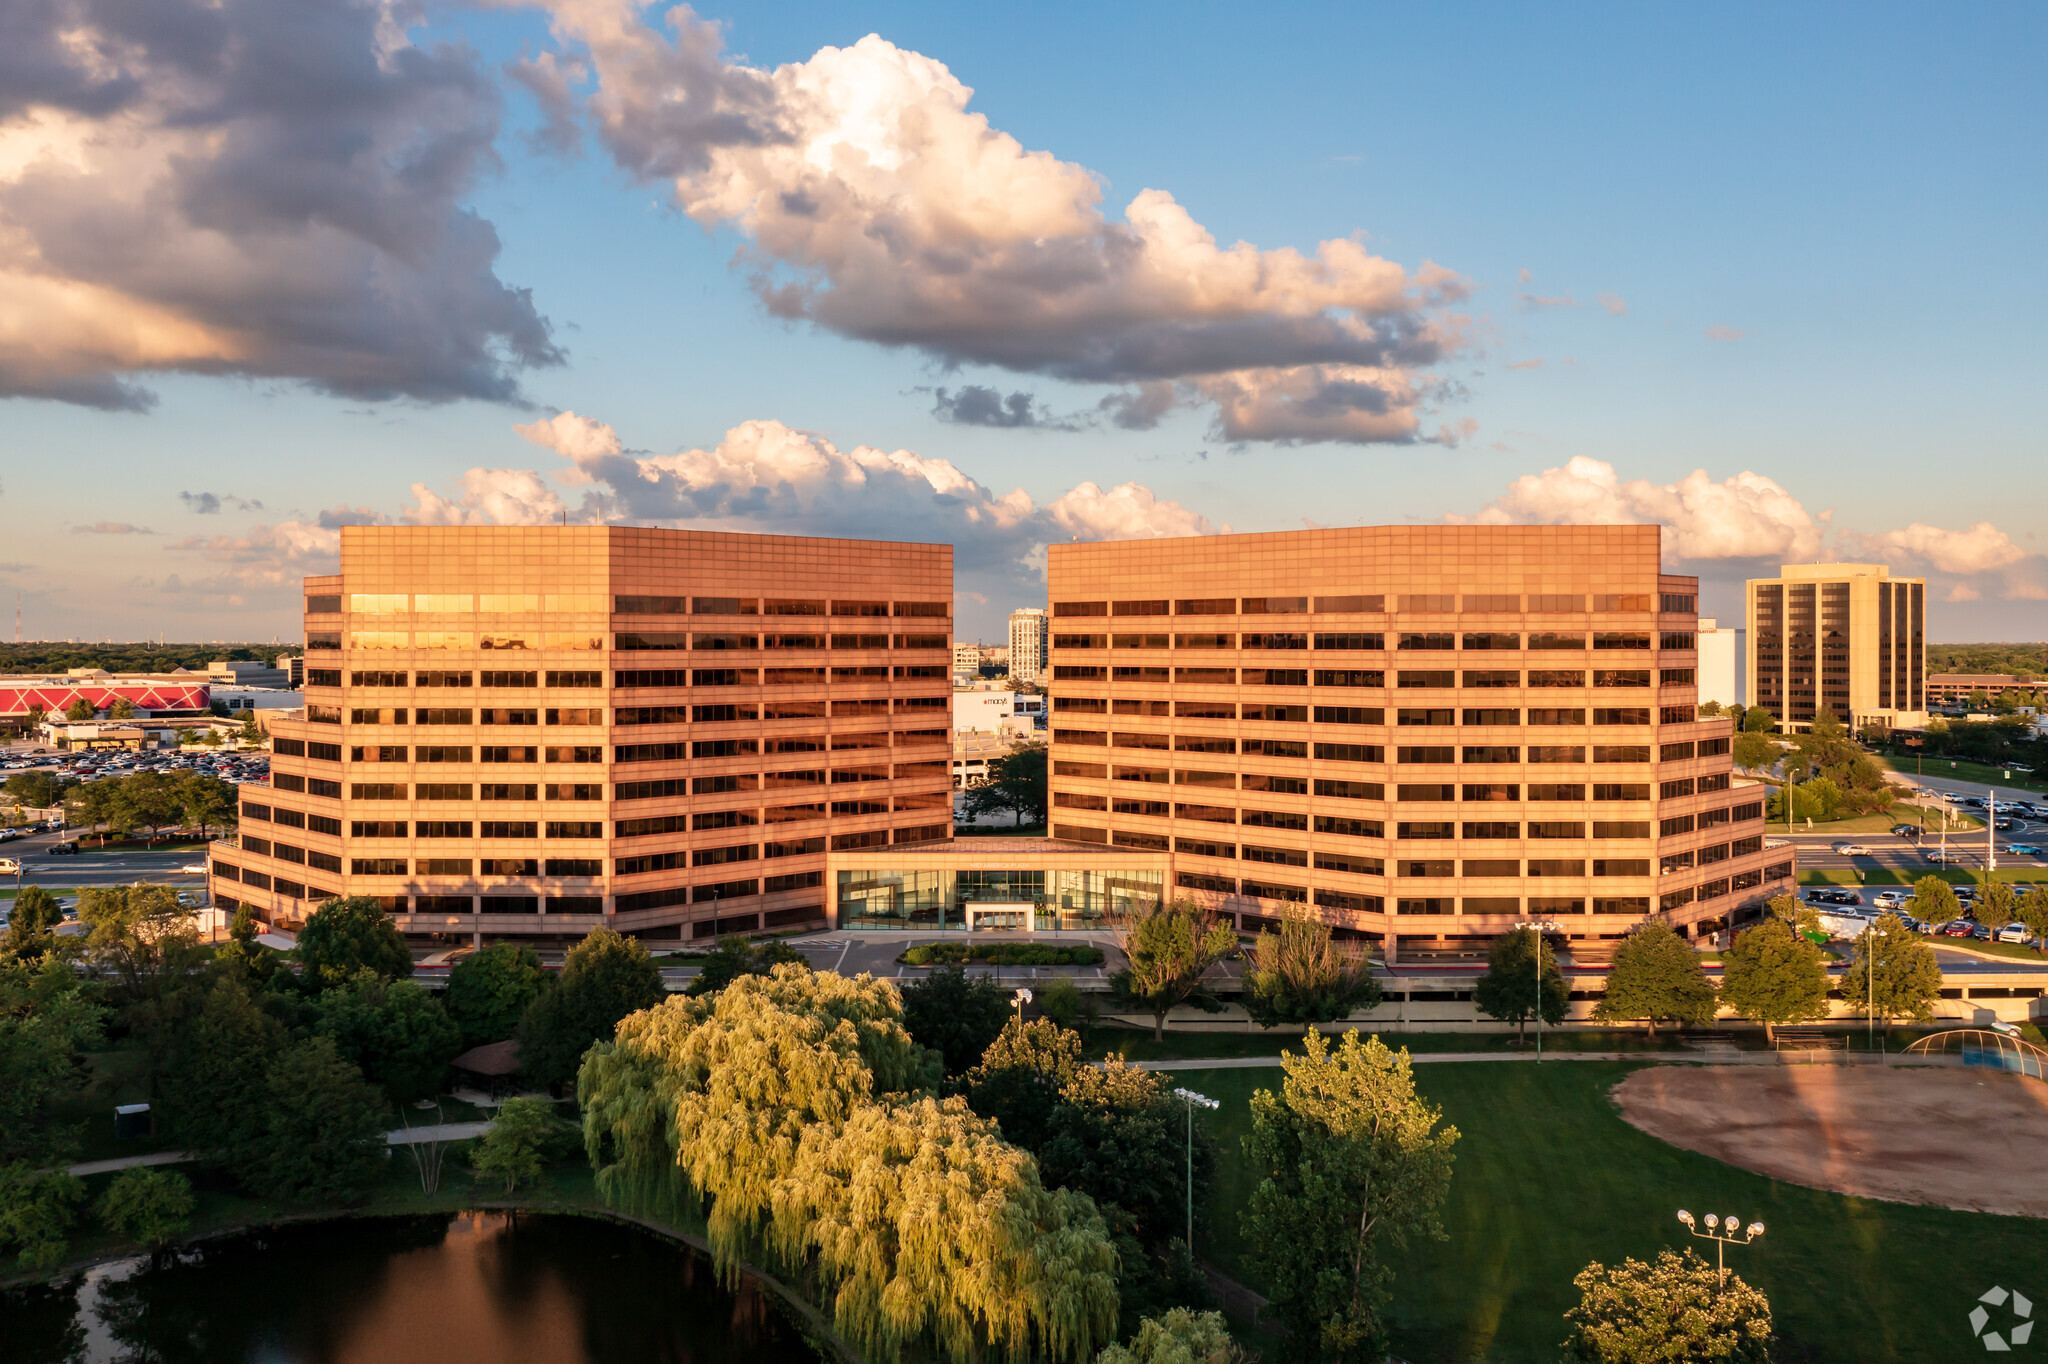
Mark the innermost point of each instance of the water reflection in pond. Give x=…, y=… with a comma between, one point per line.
x=475, y=1287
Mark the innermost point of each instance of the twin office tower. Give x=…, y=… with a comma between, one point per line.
x=1422, y=734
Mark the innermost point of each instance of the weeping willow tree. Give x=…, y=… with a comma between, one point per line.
x=711, y=1095
x=783, y=1104
x=934, y=1227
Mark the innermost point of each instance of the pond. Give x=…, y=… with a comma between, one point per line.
x=443, y=1289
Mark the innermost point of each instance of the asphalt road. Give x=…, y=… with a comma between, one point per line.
x=90, y=868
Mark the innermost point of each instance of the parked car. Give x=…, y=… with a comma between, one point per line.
x=1891, y=899
x=1958, y=928
x=1833, y=897
x=2016, y=933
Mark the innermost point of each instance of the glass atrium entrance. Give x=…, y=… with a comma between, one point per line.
x=961, y=899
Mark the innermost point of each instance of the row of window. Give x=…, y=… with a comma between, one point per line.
x=1432, y=602
x=1416, y=830
x=1487, y=716
x=1372, y=790
x=1377, y=753
x=653, y=641
x=464, y=603
x=1369, y=677
x=1543, y=905
x=626, y=716
x=1541, y=641
x=800, y=779
x=630, y=677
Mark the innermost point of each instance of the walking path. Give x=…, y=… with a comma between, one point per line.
x=402, y=1136
x=1716, y=1057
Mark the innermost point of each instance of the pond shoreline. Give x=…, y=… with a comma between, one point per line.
x=809, y=1320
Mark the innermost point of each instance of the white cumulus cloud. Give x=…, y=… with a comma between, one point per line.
x=1748, y=516
x=1980, y=549
x=876, y=205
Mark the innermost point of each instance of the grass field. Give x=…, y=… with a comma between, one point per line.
x=1985, y=774
x=1549, y=1178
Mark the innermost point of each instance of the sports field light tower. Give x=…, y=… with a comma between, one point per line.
x=1723, y=1232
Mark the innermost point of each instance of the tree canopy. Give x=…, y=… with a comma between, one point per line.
x=351, y=934
x=489, y=991
x=1934, y=901
x=1657, y=977
x=735, y=957
x=1513, y=989
x=1774, y=976
x=788, y=1102
x=1170, y=947
x=957, y=1015
x=604, y=978
x=1352, y=1158
x=1892, y=972
x=1672, y=1311
x=1303, y=975
x=1016, y=782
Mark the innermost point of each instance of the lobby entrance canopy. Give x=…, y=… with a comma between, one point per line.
x=1032, y=884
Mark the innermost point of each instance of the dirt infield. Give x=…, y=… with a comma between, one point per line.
x=1960, y=1138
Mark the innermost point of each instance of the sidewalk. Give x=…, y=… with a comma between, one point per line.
x=402, y=1136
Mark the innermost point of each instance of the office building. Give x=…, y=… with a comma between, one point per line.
x=241, y=672
x=1848, y=638
x=966, y=660
x=530, y=731
x=1028, y=626
x=1962, y=689
x=1426, y=733
x=1721, y=660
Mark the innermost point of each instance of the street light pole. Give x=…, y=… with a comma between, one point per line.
x=1541, y=926
x=1722, y=1238
x=1192, y=1098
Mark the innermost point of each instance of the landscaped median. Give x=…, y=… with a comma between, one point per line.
x=1001, y=954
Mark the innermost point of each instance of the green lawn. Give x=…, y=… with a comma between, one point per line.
x=1549, y=1178
x=1961, y=770
x=1134, y=1045
x=1883, y=820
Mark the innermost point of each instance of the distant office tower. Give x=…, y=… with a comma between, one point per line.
x=1721, y=660
x=1849, y=638
x=967, y=658
x=530, y=731
x=1027, y=643
x=1426, y=733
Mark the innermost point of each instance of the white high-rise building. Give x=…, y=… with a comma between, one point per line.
x=1720, y=662
x=1028, y=629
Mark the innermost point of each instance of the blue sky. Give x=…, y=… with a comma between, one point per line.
x=1802, y=246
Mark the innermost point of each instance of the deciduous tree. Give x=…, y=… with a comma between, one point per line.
x=1657, y=977
x=1018, y=1083
x=1934, y=901
x=2032, y=910
x=735, y=957
x=1303, y=975
x=527, y=1134
x=346, y=935
x=38, y=790
x=1907, y=979
x=1351, y=1158
x=604, y=978
x=47, y=1022
x=1016, y=782
x=147, y=947
x=36, y=1210
x=1997, y=905
x=489, y=991
x=204, y=800
x=81, y=709
x=1774, y=976
x=1178, y=1336
x=322, y=1133
x=1673, y=1311
x=399, y=1035
x=36, y=912
x=149, y=800
x=1513, y=989
x=1170, y=947
x=153, y=1207
x=957, y=1015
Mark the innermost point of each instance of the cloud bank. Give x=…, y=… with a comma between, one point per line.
x=1751, y=524
x=266, y=188
x=875, y=205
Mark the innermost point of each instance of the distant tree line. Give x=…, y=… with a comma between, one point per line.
x=56, y=656
x=154, y=801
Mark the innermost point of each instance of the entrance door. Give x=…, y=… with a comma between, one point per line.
x=993, y=914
